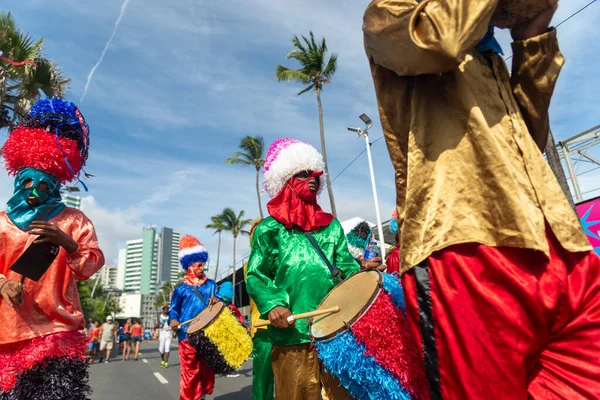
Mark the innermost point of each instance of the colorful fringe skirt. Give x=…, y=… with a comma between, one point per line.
x=51, y=367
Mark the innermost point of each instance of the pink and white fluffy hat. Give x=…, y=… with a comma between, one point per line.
x=287, y=157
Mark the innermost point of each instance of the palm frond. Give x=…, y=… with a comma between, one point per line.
x=216, y=223
x=291, y=75
x=331, y=67
x=308, y=89
x=297, y=44
x=315, y=68
x=253, y=153
x=236, y=160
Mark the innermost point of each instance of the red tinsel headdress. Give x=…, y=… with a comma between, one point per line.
x=53, y=137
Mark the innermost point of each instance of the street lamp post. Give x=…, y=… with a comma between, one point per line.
x=365, y=132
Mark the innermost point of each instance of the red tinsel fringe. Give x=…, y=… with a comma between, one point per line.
x=36, y=148
x=18, y=357
x=19, y=63
x=385, y=333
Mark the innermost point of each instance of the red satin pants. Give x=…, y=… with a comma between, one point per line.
x=505, y=323
x=197, y=379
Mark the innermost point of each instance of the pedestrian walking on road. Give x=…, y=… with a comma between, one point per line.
x=146, y=335
x=136, y=337
x=94, y=341
x=164, y=337
x=108, y=336
x=126, y=340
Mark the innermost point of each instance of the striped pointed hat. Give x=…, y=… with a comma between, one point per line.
x=191, y=251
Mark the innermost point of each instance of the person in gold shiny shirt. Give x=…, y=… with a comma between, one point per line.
x=500, y=282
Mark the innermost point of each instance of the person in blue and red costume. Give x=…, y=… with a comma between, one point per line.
x=42, y=347
x=501, y=285
x=286, y=274
x=189, y=299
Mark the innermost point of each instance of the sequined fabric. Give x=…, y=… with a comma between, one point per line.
x=51, y=304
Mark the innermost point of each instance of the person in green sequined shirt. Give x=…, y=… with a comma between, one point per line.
x=286, y=274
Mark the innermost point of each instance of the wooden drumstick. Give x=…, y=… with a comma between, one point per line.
x=189, y=321
x=305, y=315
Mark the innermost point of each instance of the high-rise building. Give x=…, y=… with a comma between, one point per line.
x=71, y=201
x=151, y=261
x=108, y=277
x=121, y=269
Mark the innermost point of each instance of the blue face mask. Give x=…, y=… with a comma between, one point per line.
x=20, y=212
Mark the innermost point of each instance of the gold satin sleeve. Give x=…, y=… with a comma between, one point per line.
x=430, y=37
x=536, y=65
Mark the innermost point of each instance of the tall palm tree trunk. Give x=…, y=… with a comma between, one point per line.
x=233, y=279
x=556, y=167
x=324, y=151
x=218, y=257
x=258, y=194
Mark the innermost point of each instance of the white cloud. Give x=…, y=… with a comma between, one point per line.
x=113, y=227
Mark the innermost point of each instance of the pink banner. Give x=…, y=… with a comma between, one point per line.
x=589, y=215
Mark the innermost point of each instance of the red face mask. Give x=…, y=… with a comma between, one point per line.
x=301, y=188
x=296, y=205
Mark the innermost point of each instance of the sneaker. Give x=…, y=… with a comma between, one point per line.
x=233, y=375
x=166, y=365
x=106, y=362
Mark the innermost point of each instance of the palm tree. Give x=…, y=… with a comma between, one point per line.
x=235, y=224
x=22, y=85
x=315, y=71
x=218, y=226
x=252, y=154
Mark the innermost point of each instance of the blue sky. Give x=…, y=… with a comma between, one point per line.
x=182, y=82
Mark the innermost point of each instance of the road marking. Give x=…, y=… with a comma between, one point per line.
x=144, y=360
x=161, y=378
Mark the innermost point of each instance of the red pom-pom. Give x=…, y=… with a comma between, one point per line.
x=37, y=148
x=384, y=331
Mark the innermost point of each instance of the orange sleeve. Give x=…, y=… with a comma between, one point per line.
x=88, y=258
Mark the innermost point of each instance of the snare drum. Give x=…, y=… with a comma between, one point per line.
x=219, y=337
x=368, y=345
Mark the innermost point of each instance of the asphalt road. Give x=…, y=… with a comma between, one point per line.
x=145, y=379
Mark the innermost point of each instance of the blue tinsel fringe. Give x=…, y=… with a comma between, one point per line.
x=359, y=373
x=54, y=106
x=391, y=284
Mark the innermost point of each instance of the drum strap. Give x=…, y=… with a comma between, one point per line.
x=335, y=272
x=199, y=295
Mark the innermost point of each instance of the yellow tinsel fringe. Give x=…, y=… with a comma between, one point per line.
x=231, y=338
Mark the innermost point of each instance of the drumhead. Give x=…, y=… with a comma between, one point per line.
x=206, y=317
x=353, y=296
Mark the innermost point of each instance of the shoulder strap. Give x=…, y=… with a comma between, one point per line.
x=335, y=272
x=195, y=289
